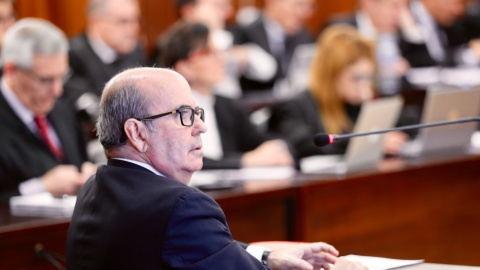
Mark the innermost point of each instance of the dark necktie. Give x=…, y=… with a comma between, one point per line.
x=43, y=126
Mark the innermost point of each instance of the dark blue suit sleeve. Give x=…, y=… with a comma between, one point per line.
x=197, y=237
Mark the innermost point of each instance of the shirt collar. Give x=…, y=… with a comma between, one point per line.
x=102, y=50
x=141, y=164
x=16, y=104
x=274, y=30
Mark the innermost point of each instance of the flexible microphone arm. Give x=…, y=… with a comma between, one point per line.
x=325, y=139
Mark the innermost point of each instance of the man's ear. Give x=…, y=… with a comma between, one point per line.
x=9, y=69
x=137, y=134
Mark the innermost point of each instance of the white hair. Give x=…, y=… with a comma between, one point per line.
x=29, y=37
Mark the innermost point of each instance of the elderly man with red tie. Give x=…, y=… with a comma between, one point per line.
x=42, y=147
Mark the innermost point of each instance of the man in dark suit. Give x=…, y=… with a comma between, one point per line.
x=42, y=146
x=233, y=141
x=445, y=39
x=109, y=45
x=385, y=23
x=138, y=212
x=278, y=30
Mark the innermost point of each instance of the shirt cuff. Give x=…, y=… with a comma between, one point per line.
x=256, y=251
x=31, y=186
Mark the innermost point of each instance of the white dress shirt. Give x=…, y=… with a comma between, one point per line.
x=212, y=143
x=102, y=50
x=141, y=164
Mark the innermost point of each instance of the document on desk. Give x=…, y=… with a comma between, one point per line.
x=378, y=263
x=259, y=173
x=42, y=204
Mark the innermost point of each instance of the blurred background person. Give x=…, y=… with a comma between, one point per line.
x=248, y=60
x=42, y=146
x=342, y=77
x=444, y=35
x=279, y=29
x=109, y=45
x=231, y=141
x=7, y=19
x=385, y=22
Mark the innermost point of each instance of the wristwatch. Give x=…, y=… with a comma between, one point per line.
x=265, y=256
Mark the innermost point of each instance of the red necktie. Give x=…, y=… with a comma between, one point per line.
x=43, y=126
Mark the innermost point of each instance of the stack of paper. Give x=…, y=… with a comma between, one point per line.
x=377, y=263
x=205, y=177
x=42, y=204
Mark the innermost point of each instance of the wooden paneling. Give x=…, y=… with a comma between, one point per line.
x=425, y=213
x=68, y=15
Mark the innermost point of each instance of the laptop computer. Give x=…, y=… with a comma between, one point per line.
x=362, y=152
x=445, y=103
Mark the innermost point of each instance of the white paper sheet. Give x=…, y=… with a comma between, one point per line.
x=259, y=173
x=378, y=263
x=42, y=204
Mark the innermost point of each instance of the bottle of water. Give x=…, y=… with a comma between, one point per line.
x=388, y=55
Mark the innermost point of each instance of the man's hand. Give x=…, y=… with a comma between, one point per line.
x=63, y=179
x=394, y=141
x=304, y=257
x=88, y=169
x=344, y=264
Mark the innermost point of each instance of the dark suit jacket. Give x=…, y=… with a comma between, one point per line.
x=256, y=33
x=89, y=73
x=237, y=133
x=126, y=217
x=23, y=155
x=418, y=56
x=298, y=121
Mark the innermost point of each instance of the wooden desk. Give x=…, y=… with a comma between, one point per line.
x=18, y=236
x=426, y=212
x=430, y=212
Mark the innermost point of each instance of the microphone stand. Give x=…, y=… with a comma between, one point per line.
x=435, y=124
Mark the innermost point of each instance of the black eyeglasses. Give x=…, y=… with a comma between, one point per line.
x=187, y=115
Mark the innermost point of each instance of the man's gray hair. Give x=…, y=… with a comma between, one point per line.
x=29, y=37
x=123, y=101
x=96, y=6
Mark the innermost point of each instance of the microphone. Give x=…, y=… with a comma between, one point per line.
x=50, y=256
x=323, y=139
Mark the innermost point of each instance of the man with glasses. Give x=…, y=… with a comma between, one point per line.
x=42, y=146
x=109, y=45
x=138, y=211
x=232, y=141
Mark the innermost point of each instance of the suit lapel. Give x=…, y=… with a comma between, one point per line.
x=8, y=115
x=259, y=34
x=57, y=119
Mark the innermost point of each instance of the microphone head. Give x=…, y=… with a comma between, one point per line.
x=322, y=140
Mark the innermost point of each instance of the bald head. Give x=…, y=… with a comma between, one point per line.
x=129, y=95
x=162, y=140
